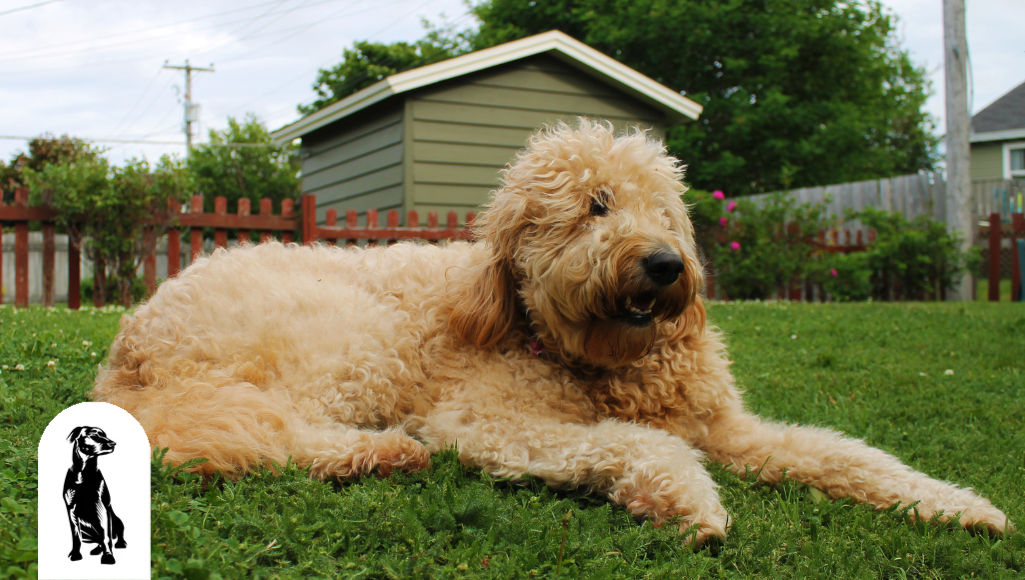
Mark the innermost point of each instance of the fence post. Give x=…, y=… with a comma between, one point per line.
x=99, y=282
x=1017, y=232
x=243, y=210
x=994, y=257
x=174, y=250
x=266, y=209
x=49, y=263
x=221, y=234
x=287, y=210
x=149, y=264
x=309, y=218
x=196, y=234
x=21, y=253
x=74, y=276
x=331, y=220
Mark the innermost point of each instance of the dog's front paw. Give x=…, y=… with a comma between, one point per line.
x=698, y=531
x=991, y=521
x=121, y=544
x=403, y=453
x=96, y=551
x=75, y=555
x=107, y=559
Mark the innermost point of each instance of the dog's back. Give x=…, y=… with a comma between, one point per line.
x=219, y=362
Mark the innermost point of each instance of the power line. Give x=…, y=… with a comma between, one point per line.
x=142, y=142
x=28, y=55
x=141, y=97
x=334, y=59
x=29, y=7
x=145, y=30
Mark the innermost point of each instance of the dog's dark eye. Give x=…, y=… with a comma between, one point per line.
x=598, y=208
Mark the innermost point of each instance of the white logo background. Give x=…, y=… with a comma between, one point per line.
x=127, y=473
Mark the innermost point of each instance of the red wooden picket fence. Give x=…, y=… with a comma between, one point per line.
x=283, y=225
x=997, y=231
x=833, y=241
x=373, y=233
x=20, y=214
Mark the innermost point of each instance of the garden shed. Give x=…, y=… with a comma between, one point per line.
x=434, y=138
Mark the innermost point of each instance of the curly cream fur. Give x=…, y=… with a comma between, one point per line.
x=350, y=360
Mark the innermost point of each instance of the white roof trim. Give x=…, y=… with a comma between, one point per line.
x=997, y=136
x=576, y=52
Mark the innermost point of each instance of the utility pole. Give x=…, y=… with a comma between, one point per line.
x=191, y=110
x=955, y=59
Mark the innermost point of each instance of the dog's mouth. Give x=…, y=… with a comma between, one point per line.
x=636, y=310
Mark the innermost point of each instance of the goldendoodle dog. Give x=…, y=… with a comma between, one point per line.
x=570, y=343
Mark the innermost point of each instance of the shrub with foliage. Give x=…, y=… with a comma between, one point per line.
x=105, y=208
x=768, y=244
x=251, y=170
x=911, y=259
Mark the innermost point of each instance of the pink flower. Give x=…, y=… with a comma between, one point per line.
x=833, y=272
x=731, y=206
x=722, y=221
x=718, y=195
x=735, y=245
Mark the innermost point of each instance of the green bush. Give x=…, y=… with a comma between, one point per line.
x=844, y=277
x=767, y=245
x=911, y=259
x=138, y=289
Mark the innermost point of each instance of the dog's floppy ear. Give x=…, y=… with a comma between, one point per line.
x=76, y=433
x=484, y=298
x=485, y=306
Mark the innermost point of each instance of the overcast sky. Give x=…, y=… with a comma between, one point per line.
x=93, y=68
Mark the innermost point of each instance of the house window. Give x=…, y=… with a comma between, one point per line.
x=1018, y=162
x=1014, y=160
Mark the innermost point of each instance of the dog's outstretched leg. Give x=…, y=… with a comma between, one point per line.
x=840, y=466
x=341, y=452
x=650, y=472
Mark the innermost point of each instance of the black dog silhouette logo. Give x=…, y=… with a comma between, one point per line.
x=87, y=497
x=99, y=502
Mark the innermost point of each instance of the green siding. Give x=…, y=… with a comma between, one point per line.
x=441, y=148
x=987, y=161
x=465, y=131
x=359, y=167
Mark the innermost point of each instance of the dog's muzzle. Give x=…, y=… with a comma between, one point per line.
x=663, y=267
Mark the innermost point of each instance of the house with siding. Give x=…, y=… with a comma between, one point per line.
x=435, y=138
x=998, y=138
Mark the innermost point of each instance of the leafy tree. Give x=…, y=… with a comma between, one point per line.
x=252, y=172
x=42, y=151
x=105, y=208
x=369, y=62
x=795, y=92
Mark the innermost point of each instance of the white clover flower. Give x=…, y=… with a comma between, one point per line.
x=51, y=364
x=19, y=367
x=948, y=372
x=53, y=344
x=86, y=343
x=93, y=354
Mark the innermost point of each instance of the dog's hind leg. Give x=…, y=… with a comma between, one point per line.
x=341, y=452
x=232, y=424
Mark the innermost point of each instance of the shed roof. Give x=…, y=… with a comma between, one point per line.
x=1004, y=119
x=565, y=48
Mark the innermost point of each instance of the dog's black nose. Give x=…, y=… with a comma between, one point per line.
x=663, y=267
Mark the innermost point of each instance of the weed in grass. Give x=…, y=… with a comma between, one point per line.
x=850, y=368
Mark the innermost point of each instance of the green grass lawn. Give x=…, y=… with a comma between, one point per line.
x=982, y=289
x=877, y=371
